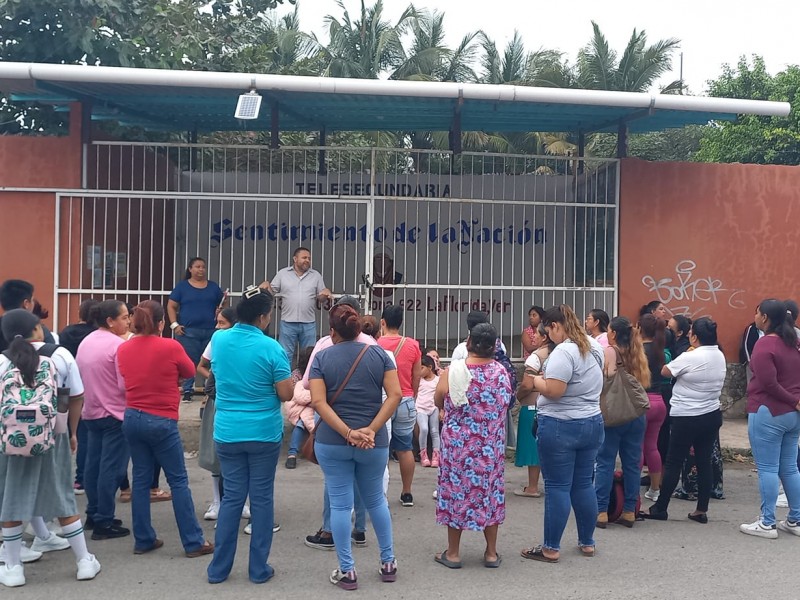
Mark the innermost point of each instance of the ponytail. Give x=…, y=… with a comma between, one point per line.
x=146, y=317
x=25, y=358
x=654, y=328
x=781, y=320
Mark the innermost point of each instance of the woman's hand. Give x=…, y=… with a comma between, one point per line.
x=797, y=407
x=363, y=438
x=179, y=330
x=73, y=443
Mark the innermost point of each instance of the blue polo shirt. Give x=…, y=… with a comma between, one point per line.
x=247, y=364
x=197, y=305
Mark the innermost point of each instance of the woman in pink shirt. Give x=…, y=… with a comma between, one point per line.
x=773, y=404
x=103, y=411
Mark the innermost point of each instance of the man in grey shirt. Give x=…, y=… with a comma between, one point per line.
x=299, y=287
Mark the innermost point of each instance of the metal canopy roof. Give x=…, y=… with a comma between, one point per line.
x=205, y=101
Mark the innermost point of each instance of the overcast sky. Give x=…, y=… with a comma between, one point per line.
x=712, y=32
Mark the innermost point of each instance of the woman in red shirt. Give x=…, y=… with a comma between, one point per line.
x=152, y=367
x=773, y=404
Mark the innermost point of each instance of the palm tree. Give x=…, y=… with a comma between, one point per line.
x=639, y=67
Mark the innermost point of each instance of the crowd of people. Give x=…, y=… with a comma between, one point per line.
x=646, y=393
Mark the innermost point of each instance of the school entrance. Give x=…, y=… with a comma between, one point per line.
x=440, y=234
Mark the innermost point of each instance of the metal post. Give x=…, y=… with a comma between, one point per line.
x=192, y=135
x=322, y=168
x=86, y=140
x=274, y=142
x=622, y=140
x=455, y=131
x=581, y=151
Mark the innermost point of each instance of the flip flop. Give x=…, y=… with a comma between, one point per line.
x=492, y=564
x=587, y=551
x=523, y=491
x=537, y=553
x=443, y=560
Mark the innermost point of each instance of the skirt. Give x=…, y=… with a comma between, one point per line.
x=38, y=486
x=527, y=450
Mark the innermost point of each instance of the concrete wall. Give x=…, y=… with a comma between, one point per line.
x=27, y=225
x=708, y=239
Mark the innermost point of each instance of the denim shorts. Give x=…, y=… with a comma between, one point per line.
x=403, y=421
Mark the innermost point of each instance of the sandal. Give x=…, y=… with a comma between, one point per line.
x=523, y=491
x=588, y=551
x=537, y=553
x=492, y=564
x=443, y=560
x=158, y=495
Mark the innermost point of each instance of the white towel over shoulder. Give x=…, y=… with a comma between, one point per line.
x=459, y=378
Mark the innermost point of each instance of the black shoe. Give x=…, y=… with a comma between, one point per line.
x=188, y=396
x=319, y=541
x=291, y=462
x=645, y=481
x=655, y=515
x=406, y=499
x=359, y=538
x=88, y=524
x=701, y=518
x=110, y=532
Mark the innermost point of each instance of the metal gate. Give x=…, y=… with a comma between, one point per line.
x=441, y=234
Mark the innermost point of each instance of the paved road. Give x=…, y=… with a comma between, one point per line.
x=653, y=560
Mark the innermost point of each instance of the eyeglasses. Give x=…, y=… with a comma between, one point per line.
x=251, y=291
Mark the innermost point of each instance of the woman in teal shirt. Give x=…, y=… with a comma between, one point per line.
x=253, y=378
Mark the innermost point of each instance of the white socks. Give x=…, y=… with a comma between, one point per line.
x=215, y=484
x=12, y=540
x=40, y=528
x=74, y=535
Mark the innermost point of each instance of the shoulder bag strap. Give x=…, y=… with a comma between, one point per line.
x=349, y=374
x=396, y=351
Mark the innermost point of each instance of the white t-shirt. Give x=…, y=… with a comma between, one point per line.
x=699, y=375
x=67, y=374
x=460, y=353
x=583, y=376
x=534, y=363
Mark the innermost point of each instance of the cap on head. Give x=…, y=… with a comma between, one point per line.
x=349, y=301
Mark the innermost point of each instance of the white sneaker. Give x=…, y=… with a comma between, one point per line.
x=436, y=494
x=652, y=494
x=213, y=512
x=51, y=544
x=246, y=511
x=88, y=568
x=26, y=555
x=783, y=501
x=789, y=527
x=758, y=529
x=248, y=529
x=12, y=576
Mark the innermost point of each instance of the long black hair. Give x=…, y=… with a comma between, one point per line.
x=781, y=322
x=705, y=329
x=18, y=328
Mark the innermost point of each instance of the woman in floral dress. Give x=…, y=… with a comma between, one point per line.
x=475, y=394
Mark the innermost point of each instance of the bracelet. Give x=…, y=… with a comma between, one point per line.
x=174, y=326
x=347, y=437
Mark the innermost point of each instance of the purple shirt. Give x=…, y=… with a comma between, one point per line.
x=776, y=377
x=104, y=394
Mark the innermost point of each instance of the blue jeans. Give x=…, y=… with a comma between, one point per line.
x=344, y=466
x=152, y=438
x=567, y=453
x=106, y=465
x=194, y=340
x=625, y=440
x=80, y=455
x=292, y=334
x=774, y=443
x=248, y=468
x=298, y=433
x=358, y=503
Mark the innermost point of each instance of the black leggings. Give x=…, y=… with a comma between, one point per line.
x=701, y=432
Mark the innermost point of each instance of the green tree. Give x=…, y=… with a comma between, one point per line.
x=753, y=138
x=599, y=67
